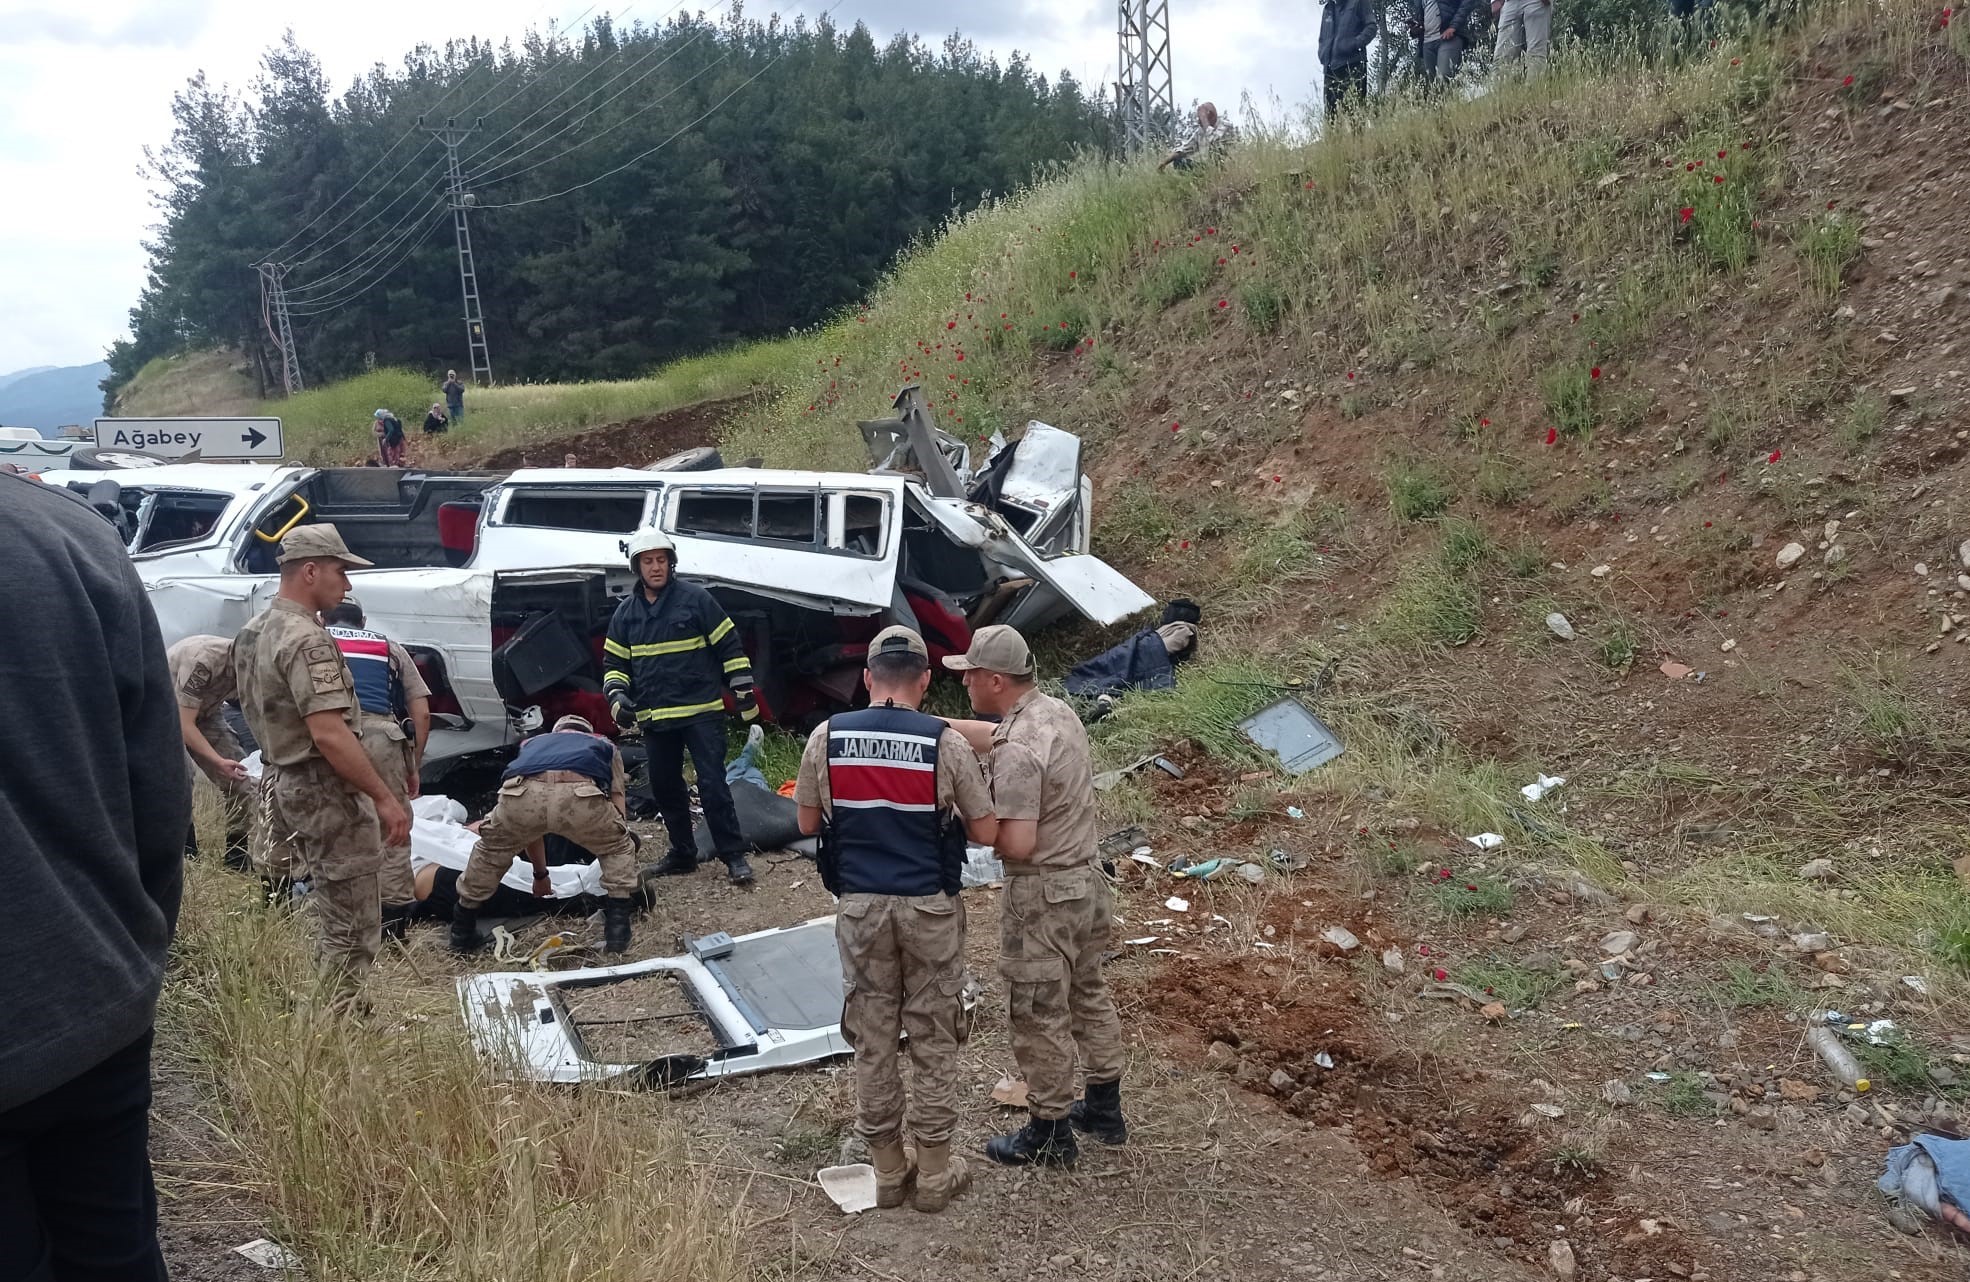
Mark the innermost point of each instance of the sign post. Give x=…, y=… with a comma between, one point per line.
x=213, y=440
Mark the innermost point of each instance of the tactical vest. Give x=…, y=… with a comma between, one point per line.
x=378, y=689
x=888, y=836
x=585, y=754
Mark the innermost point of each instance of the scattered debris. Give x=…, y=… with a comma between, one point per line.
x=1619, y=943
x=1559, y=1258
x=1728, y=645
x=1812, y=942
x=1487, y=841
x=1675, y=671
x=1916, y=983
x=1290, y=732
x=1495, y=1012
x=1294, y=812
x=1287, y=860
x=1392, y=960
x=1601, y=571
x=1551, y=1112
x=1252, y=873
x=268, y=1254
x=1838, y=1059
x=1341, y=937
x=1323, y=1059
x=1788, y=556
x=1176, y=905
x=1541, y=786
x=1816, y=870
x=852, y=1188
x=1142, y=941
x=1010, y=1091
x=1144, y=855
x=1558, y=625
x=1615, y=1091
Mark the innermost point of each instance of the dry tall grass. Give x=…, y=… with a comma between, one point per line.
x=383, y=1148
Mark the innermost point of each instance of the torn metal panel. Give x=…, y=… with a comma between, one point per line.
x=773, y=1001
x=1299, y=739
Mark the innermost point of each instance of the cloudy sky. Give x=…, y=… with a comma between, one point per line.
x=83, y=89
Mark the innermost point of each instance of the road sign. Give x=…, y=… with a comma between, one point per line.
x=212, y=439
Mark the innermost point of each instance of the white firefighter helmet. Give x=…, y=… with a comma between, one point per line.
x=649, y=539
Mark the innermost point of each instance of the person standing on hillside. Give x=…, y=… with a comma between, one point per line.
x=1525, y=29
x=92, y=826
x=669, y=655
x=1347, y=28
x=454, y=394
x=326, y=800
x=396, y=724
x=1057, y=911
x=389, y=430
x=898, y=792
x=1440, y=29
x=202, y=679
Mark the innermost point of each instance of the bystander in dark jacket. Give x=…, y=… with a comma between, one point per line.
x=1347, y=28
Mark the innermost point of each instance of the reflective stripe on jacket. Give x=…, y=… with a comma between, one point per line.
x=675, y=656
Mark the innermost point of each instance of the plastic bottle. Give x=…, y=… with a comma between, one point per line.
x=1837, y=1057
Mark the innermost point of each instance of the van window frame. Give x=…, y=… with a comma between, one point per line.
x=511, y=493
x=830, y=516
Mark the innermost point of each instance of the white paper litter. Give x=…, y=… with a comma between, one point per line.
x=1486, y=841
x=1534, y=791
x=1144, y=857
x=852, y=1188
x=1146, y=939
x=268, y=1255
x=1176, y=905
x=1918, y=983
x=1324, y=1060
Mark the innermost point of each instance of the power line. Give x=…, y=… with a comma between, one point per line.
x=321, y=248
x=644, y=155
x=412, y=242
x=362, y=261
x=481, y=179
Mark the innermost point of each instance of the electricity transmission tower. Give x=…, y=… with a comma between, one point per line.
x=1143, y=91
x=280, y=328
x=451, y=134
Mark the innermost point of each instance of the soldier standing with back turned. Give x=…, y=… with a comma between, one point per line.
x=1057, y=912
x=893, y=782
x=325, y=797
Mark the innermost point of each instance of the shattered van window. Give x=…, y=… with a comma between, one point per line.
x=861, y=524
x=724, y=513
x=787, y=518
x=603, y=512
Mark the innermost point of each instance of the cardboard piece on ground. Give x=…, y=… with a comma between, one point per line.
x=1675, y=671
x=268, y=1255
x=1011, y=1092
x=852, y=1188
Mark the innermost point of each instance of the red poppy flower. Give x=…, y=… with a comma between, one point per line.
x=1176, y=427
x=1210, y=231
x=1469, y=886
x=1773, y=457
x=1224, y=302
x=1234, y=249
x=1309, y=185
x=1275, y=478
x=1736, y=61
x=1744, y=146
x=1706, y=525
x=1552, y=434
x=1848, y=82
x=1072, y=275
x=960, y=355
x=1350, y=376
x=1484, y=422
x=1684, y=214
x=1718, y=179
x=1185, y=545
x=950, y=324
x=1689, y=167
x=1831, y=203
x=1722, y=154
x=1439, y=975
x=1595, y=372
x=1576, y=318
x=1222, y=261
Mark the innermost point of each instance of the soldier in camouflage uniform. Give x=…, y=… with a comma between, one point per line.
x=887, y=779
x=1058, y=910
x=324, y=795
x=569, y=782
x=202, y=678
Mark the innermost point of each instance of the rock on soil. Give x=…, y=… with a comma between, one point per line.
x=1788, y=556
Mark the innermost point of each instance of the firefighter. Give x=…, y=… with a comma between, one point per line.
x=900, y=791
x=670, y=654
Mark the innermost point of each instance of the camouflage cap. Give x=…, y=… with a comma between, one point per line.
x=898, y=639
x=998, y=648
x=318, y=543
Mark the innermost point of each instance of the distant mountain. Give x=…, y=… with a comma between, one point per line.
x=49, y=397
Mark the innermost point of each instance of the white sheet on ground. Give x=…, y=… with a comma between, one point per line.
x=438, y=837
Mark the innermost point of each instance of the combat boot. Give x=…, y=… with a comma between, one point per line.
x=940, y=1177
x=737, y=870
x=1100, y=1114
x=236, y=857
x=464, y=929
x=896, y=1171
x=615, y=923
x=1041, y=1142
x=396, y=919
x=676, y=863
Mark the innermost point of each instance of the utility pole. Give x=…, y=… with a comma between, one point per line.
x=451, y=133
x=1144, y=92
x=273, y=298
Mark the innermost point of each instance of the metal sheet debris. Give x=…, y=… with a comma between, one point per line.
x=1300, y=740
x=852, y=1188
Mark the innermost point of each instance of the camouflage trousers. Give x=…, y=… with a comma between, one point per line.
x=529, y=809
x=331, y=833
x=235, y=798
x=1053, y=928
x=902, y=971
x=390, y=752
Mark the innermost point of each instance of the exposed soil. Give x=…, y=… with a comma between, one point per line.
x=639, y=1019
x=636, y=443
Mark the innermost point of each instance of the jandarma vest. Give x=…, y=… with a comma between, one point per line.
x=585, y=754
x=368, y=654
x=888, y=835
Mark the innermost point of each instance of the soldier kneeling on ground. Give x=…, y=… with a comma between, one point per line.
x=568, y=781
